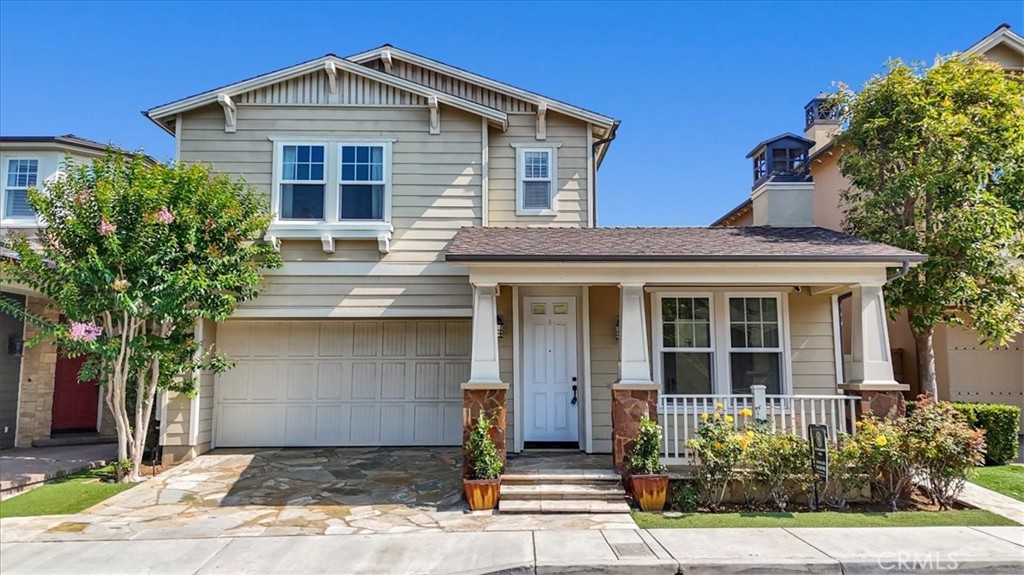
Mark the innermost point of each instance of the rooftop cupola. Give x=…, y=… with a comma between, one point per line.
x=782, y=190
x=821, y=121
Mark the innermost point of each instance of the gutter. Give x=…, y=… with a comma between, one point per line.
x=568, y=258
x=903, y=271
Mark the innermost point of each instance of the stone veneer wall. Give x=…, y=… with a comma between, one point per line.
x=630, y=403
x=38, y=368
x=490, y=400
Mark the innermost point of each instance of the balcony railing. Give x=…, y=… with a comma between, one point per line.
x=680, y=416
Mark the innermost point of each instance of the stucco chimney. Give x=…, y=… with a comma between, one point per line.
x=782, y=194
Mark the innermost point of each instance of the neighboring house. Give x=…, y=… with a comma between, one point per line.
x=966, y=369
x=41, y=401
x=441, y=255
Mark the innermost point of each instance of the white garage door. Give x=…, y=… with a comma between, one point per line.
x=337, y=383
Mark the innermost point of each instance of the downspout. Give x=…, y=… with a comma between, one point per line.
x=903, y=271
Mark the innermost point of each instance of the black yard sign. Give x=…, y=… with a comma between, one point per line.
x=819, y=450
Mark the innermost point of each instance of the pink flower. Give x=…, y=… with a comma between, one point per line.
x=84, y=195
x=165, y=216
x=84, y=331
x=106, y=228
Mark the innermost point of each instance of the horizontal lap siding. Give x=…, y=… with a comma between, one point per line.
x=811, y=344
x=571, y=197
x=436, y=189
x=604, y=362
x=506, y=363
x=456, y=87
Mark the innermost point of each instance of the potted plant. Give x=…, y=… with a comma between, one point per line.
x=484, y=481
x=647, y=478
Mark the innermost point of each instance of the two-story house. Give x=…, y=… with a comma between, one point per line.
x=41, y=401
x=966, y=369
x=442, y=256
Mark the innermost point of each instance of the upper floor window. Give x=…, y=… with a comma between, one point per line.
x=303, y=180
x=788, y=160
x=536, y=178
x=21, y=174
x=357, y=172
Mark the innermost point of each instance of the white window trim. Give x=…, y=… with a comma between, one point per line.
x=552, y=150
x=785, y=362
x=657, y=336
x=721, y=378
x=7, y=221
x=331, y=227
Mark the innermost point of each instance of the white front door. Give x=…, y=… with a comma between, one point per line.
x=550, y=386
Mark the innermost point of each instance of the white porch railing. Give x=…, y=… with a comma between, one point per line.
x=680, y=415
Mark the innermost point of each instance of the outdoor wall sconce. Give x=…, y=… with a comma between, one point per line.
x=501, y=327
x=15, y=345
x=616, y=328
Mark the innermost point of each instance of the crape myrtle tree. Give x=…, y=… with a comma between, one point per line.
x=935, y=159
x=133, y=255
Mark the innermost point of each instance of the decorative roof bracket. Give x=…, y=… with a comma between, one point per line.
x=435, y=115
x=332, y=80
x=542, y=121
x=230, y=112
x=385, y=57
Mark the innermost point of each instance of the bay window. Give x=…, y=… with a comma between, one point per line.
x=719, y=343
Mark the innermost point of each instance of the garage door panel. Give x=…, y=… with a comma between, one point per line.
x=428, y=384
x=365, y=381
x=343, y=382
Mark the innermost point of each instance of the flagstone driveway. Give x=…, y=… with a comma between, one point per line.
x=232, y=493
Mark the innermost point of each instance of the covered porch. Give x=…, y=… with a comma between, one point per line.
x=576, y=347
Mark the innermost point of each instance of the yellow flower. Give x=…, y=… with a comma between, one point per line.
x=881, y=441
x=859, y=424
x=719, y=406
x=744, y=442
x=745, y=412
x=728, y=419
x=717, y=445
x=718, y=416
x=703, y=417
x=750, y=433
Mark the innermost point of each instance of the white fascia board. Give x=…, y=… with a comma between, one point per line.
x=682, y=274
x=999, y=36
x=561, y=107
x=174, y=108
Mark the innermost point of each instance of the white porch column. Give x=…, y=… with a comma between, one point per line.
x=634, y=364
x=484, y=364
x=871, y=363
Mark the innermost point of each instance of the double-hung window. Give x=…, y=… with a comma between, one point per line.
x=362, y=182
x=719, y=343
x=687, y=345
x=536, y=181
x=21, y=174
x=303, y=181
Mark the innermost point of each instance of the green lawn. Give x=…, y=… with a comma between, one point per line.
x=1006, y=479
x=65, y=495
x=965, y=518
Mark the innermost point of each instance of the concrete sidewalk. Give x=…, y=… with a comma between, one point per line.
x=991, y=550
x=24, y=468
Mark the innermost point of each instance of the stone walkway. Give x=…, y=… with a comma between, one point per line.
x=246, y=493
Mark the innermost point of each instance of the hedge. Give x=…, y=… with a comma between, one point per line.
x=1001, y=424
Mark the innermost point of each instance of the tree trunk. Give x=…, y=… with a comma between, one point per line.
x=925, y=341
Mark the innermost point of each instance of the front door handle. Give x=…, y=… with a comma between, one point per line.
x=573, y=402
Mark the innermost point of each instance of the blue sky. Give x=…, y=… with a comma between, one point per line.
x=695, y=85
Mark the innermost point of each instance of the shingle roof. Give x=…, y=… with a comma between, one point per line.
x=745, y=244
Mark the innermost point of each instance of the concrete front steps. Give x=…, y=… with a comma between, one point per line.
x=580, y=491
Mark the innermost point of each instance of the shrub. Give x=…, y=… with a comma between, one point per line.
x=773, y=464
x=884, y=458
x=942, y=448
x=481, y=451
x=717, y=448
x=683, y=496
x=1001, y=424
x=644, y=458
x=845, y=473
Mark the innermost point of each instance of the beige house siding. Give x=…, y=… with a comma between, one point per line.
x=436, y=189
x=604, y=363
x=506, y=363
x=456, y=87
x=812, y=344
x=314, y=88
x=828, y=185
x=571, y=158
x=177, y=416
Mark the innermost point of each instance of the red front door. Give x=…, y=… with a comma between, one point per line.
x=74, y=404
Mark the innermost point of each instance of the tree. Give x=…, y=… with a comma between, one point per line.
x=935, y=158
x=134, y=255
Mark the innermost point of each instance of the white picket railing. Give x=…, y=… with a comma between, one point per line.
x=680, y=415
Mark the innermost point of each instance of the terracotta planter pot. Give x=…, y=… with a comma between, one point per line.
x=482, y=494
x=650, y=491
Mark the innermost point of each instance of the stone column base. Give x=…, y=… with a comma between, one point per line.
x=884, y=402
x=489, y=399
x=630, y=402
